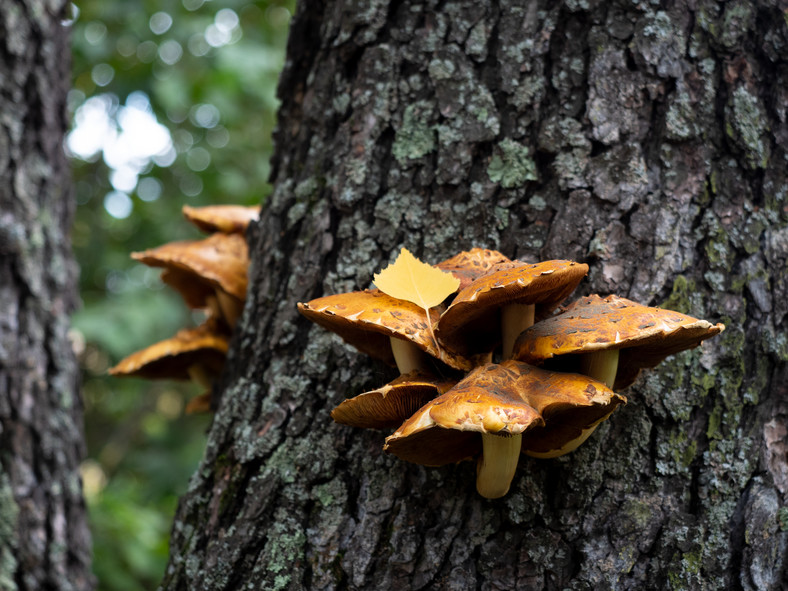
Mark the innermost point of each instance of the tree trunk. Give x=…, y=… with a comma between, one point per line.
x=647, y=139
x=44, y=539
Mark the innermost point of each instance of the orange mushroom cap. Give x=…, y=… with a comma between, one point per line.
x=389, y=406
x=447, y=429
x=221, y=260
x=227, y=219
x=469, y=265
x=195, y=292
x=367, y=319
x=569, y=403
x=549, y=409
x=470, y=325
x=644, y=335
x=171, y=358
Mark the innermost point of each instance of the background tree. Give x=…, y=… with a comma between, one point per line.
x=172, y=103
x=44, y=539
x=647, y=139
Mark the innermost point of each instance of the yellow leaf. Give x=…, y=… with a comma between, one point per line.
x=409, y=279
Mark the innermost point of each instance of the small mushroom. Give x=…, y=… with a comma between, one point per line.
x=394, y=331
x=484, y=415
x=195, y=354
x=227, y=219
x=209, y=273
x=499, y=305
x=389, y=406
x=612, y=338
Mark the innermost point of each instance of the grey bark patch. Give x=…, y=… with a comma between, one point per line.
x=619, y=175
x=615, y=97
x=765, y=542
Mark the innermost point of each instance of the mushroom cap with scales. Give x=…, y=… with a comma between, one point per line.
x=390, y=405
x=448, y=429
x=643, y=335
x=469, y=265
x=221, y=261
x=227, y=219
x=549, y=408
x=571, y=404
x=368, y=319
x=471, y=324
x=172, y=358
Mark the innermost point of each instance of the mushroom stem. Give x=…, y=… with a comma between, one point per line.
x=212, y=308
x=200, y=375
x=569, y=446
x=600, y=365
x=199, y=404
x=408, y=356
x=515, y=318
x=230, y=307
x=495, y=469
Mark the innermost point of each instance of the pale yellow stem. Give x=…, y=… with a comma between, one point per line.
x=495, y=469
x=569, y=446
x=231, y=308
x=408, y=356
x=200, y=376
x=515, y=318
x=600, y=365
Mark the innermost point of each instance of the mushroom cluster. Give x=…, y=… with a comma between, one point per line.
x=499, y=368
x=211, y=275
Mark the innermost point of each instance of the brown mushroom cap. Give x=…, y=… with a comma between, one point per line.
x=367, y=319
x=645, y=336
x=172, y=358
x=228, y=219
x=570, y=404
x=195, y=292
x=469, y=265
x=221, y=260
x=549, y=408
x=447, y=429
x=389, y=406
x=471, y=325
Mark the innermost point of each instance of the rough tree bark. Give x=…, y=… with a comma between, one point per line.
x=44, y=540
x=645, y=138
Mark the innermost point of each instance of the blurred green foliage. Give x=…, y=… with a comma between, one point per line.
x=173, y=103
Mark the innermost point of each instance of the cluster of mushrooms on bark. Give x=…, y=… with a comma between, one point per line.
x=211, y=275
x=491, y=366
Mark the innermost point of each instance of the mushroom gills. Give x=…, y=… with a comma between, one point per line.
x=600, y=365
x=515, y=318
x=495, y=469
x=408, y=356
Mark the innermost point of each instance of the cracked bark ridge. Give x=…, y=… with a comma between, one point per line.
x=645, y=139
x=44, y=540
